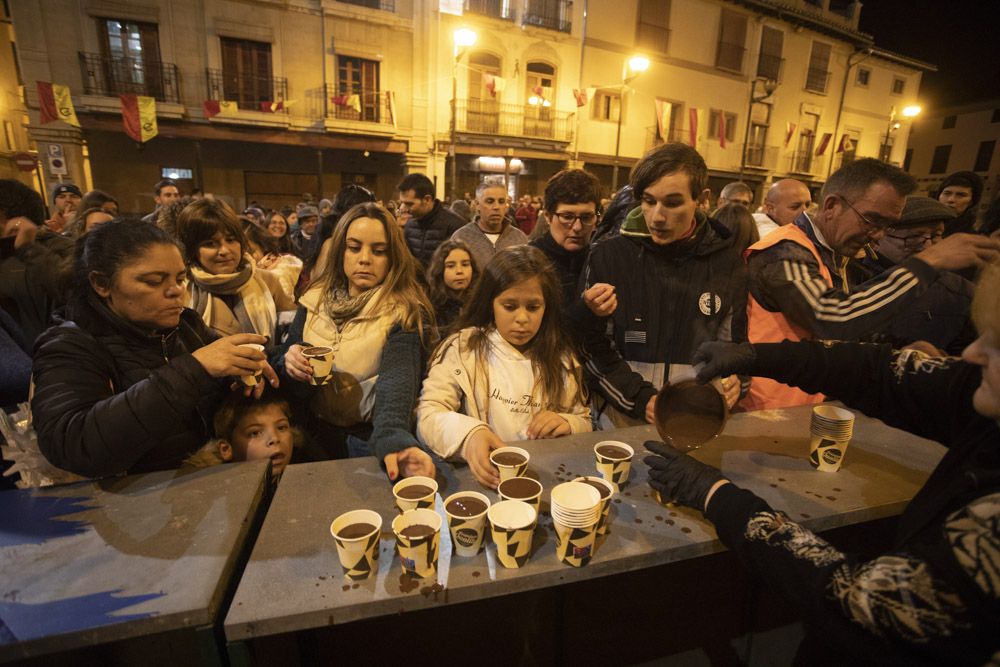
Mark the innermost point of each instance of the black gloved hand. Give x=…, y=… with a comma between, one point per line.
x=680, y=478
x=719, y=359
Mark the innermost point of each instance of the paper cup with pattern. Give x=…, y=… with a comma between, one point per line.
x=512, y=524
x=466, y=512
x=510, y=461
x=415, y=493
x=831, y=429
x=614, y=461
x=522, y=488
x=575, y=546
x=418, y=537
x=356, y=534
x=576, y=511
x=605, y=488
x=252, y=380
x=321, y=361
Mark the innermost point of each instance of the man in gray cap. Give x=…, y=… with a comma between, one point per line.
x=65, y=200
x=304, y=238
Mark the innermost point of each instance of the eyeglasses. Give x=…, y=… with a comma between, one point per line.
x=916, y=241
x=567, y=219
x=873, y=225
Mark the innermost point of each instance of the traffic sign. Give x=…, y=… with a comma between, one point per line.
x=25, y=161
x=57, y=166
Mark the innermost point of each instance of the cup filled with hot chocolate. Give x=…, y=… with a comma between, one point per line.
x=576, y=510
x=606, y=490
x=466, y=512
x=321, y=361
x=510, y=461
x=522, y=488
x=252, y=380
x=418, y=537
x=356, y=534
x=512, y=524
x=415, y=493
x=614, y=461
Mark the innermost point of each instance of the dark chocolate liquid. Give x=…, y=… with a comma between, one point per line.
x=613, y=452
x=508, y=459
x=604, y=491
x=416, y=531
x=690, y=430
x=519, y=487
x=316, y=351
x=466, y=506
x=355, y=530
x=414, y=491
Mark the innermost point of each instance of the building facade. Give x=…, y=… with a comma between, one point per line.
x=331, y=92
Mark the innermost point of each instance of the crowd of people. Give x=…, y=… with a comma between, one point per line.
x=455, y=329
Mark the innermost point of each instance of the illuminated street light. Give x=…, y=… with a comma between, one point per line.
x=633, y=67
x=911, y=111
x=463, y=39
x=908, y=112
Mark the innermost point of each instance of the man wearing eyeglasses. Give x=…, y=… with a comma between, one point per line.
x=799, y=285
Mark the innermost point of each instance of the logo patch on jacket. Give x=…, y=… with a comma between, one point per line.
x=635, y=336
x=705, y=304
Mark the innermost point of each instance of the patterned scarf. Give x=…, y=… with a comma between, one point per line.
x=343, y=307
x=253, y=308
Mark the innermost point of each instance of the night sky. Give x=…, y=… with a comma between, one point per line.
x=959, y=36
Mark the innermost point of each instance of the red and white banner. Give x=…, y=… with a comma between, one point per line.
x=581, y=97
x=845, y=144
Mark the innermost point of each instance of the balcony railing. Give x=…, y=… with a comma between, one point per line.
x=384, y=5
x=249, y=92
x=498, y=9
x=762, y=157
x=512, y=120
x=816, y=80
x=801, y=162
x=770, y=66
x=551, y=14
x=729, y=56
x=372, y=105
x=103, y=75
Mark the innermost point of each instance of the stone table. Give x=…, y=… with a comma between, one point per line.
x=293, y=580
x=111, y=560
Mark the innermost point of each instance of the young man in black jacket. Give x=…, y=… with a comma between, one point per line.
x=429, y=223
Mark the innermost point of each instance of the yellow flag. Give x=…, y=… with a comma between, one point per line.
x=139, y=117
x=228, y=108
x=64, y=105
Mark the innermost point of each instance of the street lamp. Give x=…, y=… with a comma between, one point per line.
x=908, y=112
x=635, y=66
x=770, y=85
x=463, y=38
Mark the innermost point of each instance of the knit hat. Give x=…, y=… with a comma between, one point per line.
x=965, y=179
x=923, y=211
x=63, y=188
x=325, y=203
x=308, y=211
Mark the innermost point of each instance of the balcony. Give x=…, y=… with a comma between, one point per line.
x=816, y=80
x=249, y=92
x=373, y=106
x=770, y=66
x=498, y=9
x=729, y=56
x=107, y=76
x=801, y=162
x=384, y=5
x=761, y=157
x=551, y=14
x=512, y=120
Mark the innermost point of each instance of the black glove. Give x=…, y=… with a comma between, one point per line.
x=723, y=359
x=680, y=478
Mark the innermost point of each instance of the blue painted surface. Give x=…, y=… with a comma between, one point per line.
x=27, y=518
x=32, y=621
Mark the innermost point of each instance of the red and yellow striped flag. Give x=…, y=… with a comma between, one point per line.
x=139, y=117
x=55, y=103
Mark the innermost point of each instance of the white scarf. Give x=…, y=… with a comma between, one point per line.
x=254, y=310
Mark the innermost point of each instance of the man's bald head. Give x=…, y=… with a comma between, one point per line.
x=786, y=199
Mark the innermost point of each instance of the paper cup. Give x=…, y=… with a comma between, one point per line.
x=467, y=527
x=827, y=454
x=409, y=500
x=614, y=464
x=512, y=524
x=831, y=429
x=522, y=488
x=418, y=554
x=575, y=546
x=252, y=380
x=321, y=360
x=575, y=504
x=357, y=547
x=606, y=495
x=509, y=468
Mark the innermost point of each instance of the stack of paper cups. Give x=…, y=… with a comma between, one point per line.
x=576, y=511
x=831, y=430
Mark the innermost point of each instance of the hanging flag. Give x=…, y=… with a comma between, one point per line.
x=581, y=97
x=339, y=100
x=789, y=133
x=845, y=144
x=722, y=129
x=663, y=112
x=210, y=108
x=213, y=108
x=693, y=114
x=139, y=117
x=390, y=103
x=354, y=101
x=494, y=84
x=824, y=142
x=272, y=107
x=55, y=103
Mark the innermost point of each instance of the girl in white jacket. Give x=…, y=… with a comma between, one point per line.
x=509, y=373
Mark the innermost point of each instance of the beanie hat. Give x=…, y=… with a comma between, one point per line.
x=965, y=179
x=923, y=211
x=63, y=188
x=308, y=211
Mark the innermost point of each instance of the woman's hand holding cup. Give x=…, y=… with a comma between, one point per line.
x=228, y=357
x=296, y=365
x=480, y=443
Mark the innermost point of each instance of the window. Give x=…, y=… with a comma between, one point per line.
x=246, y=72
x=939, y=163
x=713, y=124
x=357, y=76
x=385, y=5
x=769, y=62
x=984, y=156
x=653, y=30
x=607, y=105
x=948, y=122
x=482, y=109
x=802, y=158
x=131, y=57
x=667, y=125
x=864, y=75
x=819, y=68
x=540, y=80
x=551, y=14
x=898, y=86
x=908, y=160
x=732, y=38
